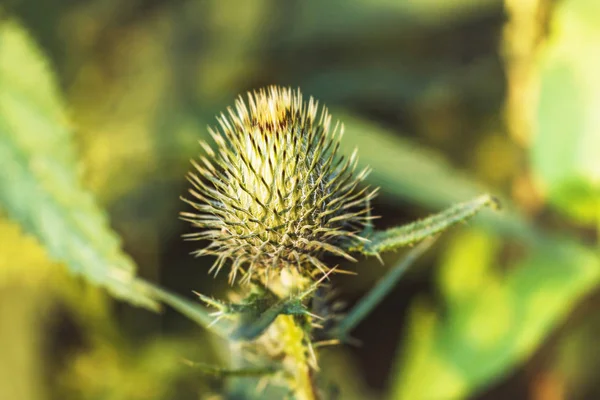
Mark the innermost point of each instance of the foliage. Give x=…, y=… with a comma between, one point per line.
x=564, y=152
x=110, y=137
x=39, y=180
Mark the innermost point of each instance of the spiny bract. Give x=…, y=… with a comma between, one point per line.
x=275, y=193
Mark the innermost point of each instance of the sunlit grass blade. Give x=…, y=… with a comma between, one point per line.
x=405, y=235
x=383, y=288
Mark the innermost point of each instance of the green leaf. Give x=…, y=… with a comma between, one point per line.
x=566, y=142
x=492, y=322
x=39, y=184
x=254, y=322
x=405, y=235
x=238, y=321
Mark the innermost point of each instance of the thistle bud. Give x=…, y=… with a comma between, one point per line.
x=274, y=193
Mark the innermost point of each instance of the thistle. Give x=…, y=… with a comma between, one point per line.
x=275, y=193
x=271, y=198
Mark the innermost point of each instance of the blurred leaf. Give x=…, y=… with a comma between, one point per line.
x=110, y=367
x=492, y=322
x=39, y=186
x=407, y=172
x=566, y=145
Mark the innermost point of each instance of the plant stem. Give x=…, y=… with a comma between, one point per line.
x=383, y=288
x=297, y=358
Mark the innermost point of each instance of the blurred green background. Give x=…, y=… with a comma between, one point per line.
x=102, y=103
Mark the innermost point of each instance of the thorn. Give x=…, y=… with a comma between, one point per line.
x=214, y=322
x=315, y=285
x=326, y=275
x=314, y=315
x=324, y=343
x=208, y=300
x=346, y=272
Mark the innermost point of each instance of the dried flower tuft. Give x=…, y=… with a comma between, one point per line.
x=274, y=193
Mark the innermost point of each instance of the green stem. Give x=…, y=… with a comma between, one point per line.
x=297, y=358
x=219, y=372
x=383, y=287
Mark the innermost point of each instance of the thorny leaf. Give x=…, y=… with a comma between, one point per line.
x=397, y=237
x=256, y=313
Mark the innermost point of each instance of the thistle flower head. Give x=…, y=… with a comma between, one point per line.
x=275, y=193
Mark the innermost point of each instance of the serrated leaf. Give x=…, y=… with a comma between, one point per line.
x=39, y=184
x=252, y=325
